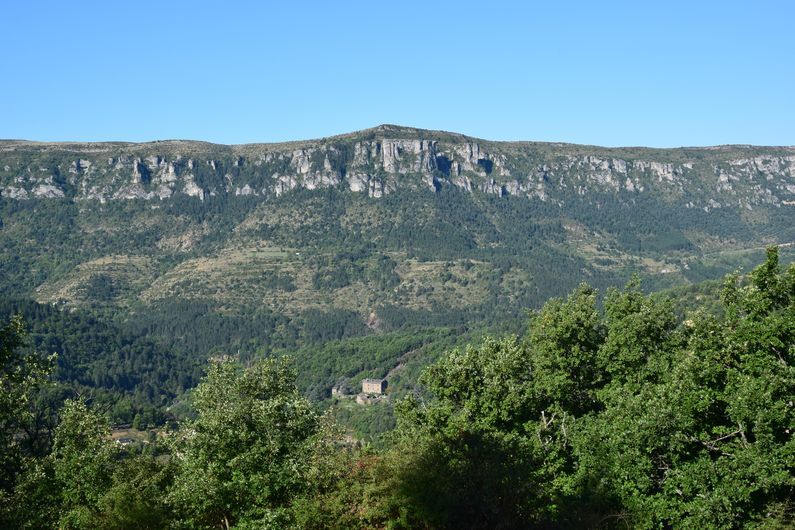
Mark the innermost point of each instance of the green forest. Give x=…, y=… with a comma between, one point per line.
x=613, y=409
x=226, y=305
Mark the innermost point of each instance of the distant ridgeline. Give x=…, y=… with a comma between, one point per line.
x=388, y=158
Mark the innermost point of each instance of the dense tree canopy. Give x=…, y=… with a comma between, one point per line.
x=623, y=417
x=612, y=416
x=21, y=375
x=247, y=452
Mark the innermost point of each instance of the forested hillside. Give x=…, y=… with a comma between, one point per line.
x=360, y=255
x=219, y=313
x=624, y=415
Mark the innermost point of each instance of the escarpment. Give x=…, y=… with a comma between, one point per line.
x=387, y=158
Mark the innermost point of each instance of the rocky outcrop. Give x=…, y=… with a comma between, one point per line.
x=382, y=160
x=47, y=191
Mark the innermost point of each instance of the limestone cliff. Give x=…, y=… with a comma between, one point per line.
x=381, y=160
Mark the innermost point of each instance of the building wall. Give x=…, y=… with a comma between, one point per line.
x=372, y=388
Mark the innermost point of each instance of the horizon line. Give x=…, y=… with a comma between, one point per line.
x=386, y=126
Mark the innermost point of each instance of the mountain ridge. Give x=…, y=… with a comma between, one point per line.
x=381, y=129
x=383, y=159
x=213, y=248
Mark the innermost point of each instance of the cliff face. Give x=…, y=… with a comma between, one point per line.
x=381, y=160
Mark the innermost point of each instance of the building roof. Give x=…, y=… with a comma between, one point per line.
x=376, y=381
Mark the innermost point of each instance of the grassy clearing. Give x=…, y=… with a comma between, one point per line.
x=124, y=276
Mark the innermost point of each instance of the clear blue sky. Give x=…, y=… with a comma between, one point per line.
x=612, y=73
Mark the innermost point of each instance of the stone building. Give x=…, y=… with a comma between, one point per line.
x=373, y=386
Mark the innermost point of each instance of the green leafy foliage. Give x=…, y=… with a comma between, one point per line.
x=21, y=377
x=82, y=463
x=87, y=481
x=621, y=416
x=246, y=454
x=625, y=417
